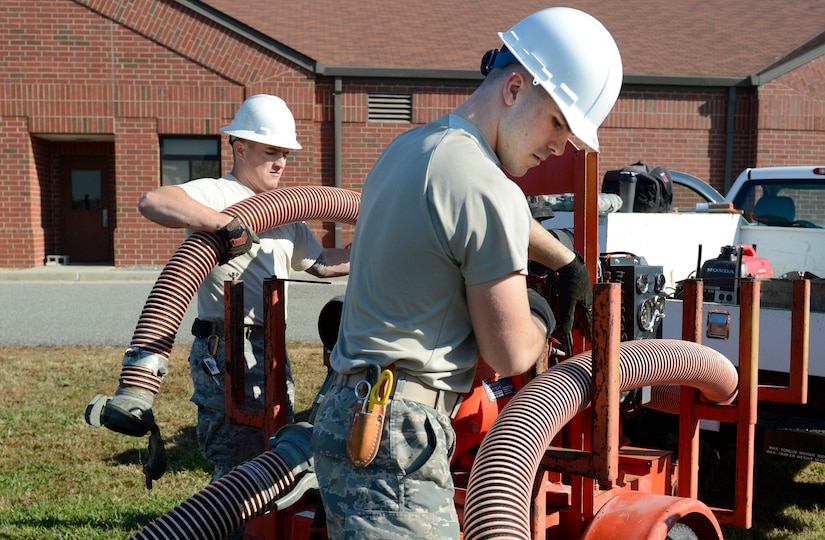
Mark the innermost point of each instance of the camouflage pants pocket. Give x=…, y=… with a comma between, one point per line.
x=406, y=491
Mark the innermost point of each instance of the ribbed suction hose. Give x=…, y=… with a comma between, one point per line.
x=184, y=273
x=145, y=362
x=501, y=480
x=249, y=490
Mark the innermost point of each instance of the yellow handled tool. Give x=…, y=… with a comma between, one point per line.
x=381, y=390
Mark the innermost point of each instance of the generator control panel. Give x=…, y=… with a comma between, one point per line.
x=642, y=292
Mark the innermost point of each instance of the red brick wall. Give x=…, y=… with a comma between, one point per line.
x=130, y=72
x=791, y=128
x=21, y=232
x=90, y=70
x=683, y=129
x=362, y=140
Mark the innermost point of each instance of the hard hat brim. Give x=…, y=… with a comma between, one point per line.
x=289, y=144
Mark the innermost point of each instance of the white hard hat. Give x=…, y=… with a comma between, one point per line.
x=574, y=57
x=265, y=119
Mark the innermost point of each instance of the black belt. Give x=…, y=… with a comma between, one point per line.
x=203, y=329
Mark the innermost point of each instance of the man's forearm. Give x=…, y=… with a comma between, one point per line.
x=170, y=206
x=546, y=249
x=332, y=262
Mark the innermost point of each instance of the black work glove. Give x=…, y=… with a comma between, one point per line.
x=236, y=239
x=155, y=466
x=541, y=309
x=575, y=298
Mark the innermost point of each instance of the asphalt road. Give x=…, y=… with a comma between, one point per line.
x=102, y=309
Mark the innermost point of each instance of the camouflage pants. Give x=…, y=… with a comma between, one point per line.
x=225, y=445
x=407, y=492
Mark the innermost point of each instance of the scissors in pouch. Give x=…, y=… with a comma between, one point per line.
x=367, y=421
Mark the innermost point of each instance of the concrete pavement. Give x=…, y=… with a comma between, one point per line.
x=74, y=272
x=95, y=304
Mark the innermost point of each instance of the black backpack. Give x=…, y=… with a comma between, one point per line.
x=654, y=186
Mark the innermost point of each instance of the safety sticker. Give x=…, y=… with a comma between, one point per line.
x=499, y=389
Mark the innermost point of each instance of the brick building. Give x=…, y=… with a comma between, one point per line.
x=103, y=100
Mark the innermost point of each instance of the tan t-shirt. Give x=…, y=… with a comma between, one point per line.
x=282, y=249
x=437, y=214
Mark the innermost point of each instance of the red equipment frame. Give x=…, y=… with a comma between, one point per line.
x=586, y=489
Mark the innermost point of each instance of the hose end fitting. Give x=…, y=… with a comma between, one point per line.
x=291, y=443
x=129, y=411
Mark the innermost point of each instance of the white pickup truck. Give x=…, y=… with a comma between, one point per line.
x=784, y=209
x=787, y=227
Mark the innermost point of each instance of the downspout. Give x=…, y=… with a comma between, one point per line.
x=729, y=131
x=338, y=130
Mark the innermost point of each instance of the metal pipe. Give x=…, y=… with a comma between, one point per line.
x=338, y=122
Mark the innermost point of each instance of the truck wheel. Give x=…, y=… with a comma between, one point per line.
x=680, y=531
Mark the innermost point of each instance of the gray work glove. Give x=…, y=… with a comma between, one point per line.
x=575, y=299
x=129, y=412
x=236, y=239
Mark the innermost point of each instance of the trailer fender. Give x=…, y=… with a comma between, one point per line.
x=642, y=516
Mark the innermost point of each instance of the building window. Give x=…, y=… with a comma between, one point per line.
x=185, y=158
x=389, y=108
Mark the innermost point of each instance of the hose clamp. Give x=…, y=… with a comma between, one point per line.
x=158, y=365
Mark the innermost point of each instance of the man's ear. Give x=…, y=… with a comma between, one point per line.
x=239, y=148
x=513, y=85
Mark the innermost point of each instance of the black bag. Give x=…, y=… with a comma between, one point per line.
x=654, y=186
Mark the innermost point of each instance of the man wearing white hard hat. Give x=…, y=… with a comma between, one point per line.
x=262, y=135
x=450, y=284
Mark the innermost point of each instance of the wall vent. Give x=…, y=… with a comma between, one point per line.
x=389, y=108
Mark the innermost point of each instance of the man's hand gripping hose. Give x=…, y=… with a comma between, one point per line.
x=236, y=238
x=129, y=411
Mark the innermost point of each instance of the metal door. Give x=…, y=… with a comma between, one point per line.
x=87, y=236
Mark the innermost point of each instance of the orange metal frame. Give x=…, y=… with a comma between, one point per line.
x=577, y=172
x=275, y=524
x=600, y=477
x=743, y=412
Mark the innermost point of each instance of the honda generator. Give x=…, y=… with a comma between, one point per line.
x=721, y=275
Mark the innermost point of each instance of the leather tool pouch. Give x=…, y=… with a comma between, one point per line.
x=364, y=435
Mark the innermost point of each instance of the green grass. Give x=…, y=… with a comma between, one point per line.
x=63, y=479
x=789, y=500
